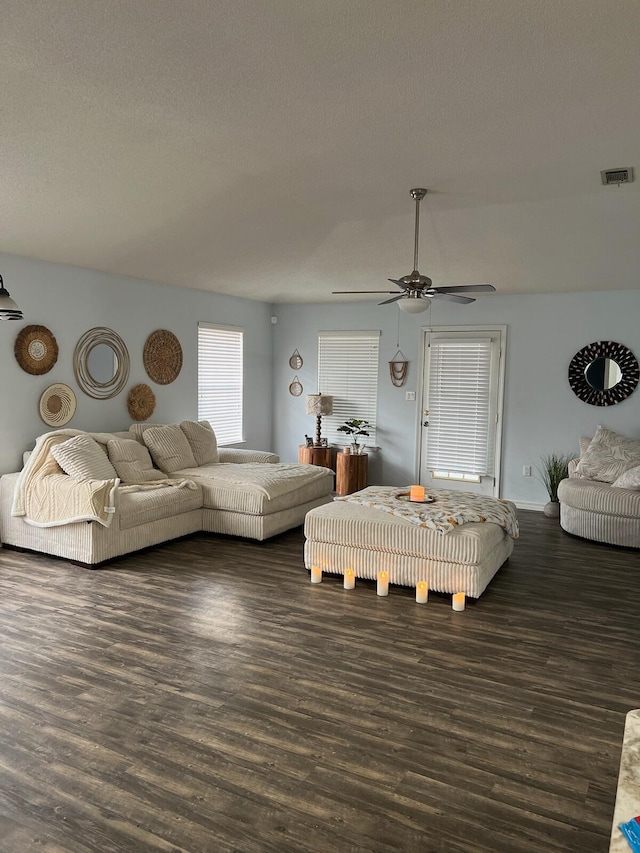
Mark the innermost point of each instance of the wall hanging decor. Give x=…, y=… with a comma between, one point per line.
x=603, y=373
x=398, y=368
x=295, y=362
x=57, y=405
x=295, y=388
x=141, y=402
x=36, y=350
x=162, y=357
x=101, y=363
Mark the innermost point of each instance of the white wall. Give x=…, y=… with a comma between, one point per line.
x=541, y=414
x=69, y=301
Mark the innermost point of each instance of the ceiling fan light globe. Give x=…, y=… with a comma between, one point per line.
x=413, y=306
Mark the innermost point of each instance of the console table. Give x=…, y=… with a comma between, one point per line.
x=351, y=472
x=628, y=794
x=322, y=456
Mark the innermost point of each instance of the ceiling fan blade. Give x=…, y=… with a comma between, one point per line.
x=469, y=288
x=393, y=299
x=463, y=299
x=363, y=291
x=399, y=283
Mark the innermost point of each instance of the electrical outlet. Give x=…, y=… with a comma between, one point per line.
x=526, y=470
x=410, y=395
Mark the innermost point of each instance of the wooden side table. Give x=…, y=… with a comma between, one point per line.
x=315, y=456
x=351, y=472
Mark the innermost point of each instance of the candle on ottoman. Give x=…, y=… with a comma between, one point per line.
x=416, y=493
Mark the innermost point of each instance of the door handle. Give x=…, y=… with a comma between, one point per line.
x=425, y=423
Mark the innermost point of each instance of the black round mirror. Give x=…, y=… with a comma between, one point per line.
x=603, y=373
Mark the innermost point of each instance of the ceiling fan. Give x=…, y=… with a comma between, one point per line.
x=418, y=289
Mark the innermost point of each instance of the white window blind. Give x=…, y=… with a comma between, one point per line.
x=220, y=371
x=461, y=423
x=348, y=371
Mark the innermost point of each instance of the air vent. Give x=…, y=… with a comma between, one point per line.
x=617, y=176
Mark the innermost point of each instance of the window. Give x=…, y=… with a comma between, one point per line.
x=348, y=371
x=220, y=370
x=462, y=415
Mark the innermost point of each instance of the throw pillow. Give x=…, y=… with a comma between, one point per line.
x=585, y=441
x=132, y=461
x=82, y=458
x=202, y=440
x=629, y=480
x=608, y=456
x=169, y=448
x=136, y=431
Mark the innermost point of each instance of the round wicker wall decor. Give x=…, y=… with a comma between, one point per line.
x=141, y=402
x=57, y=405
x=36, y=350
x=162, y=356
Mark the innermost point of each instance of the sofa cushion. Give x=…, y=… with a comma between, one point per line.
x=82, y=458
x=139, y=508
x=584, y=442
x=629, y=480
x=259, y=489
x=599, y=498
x=169, y=448
x=137, y=430
x=608, y=456
x=132, y=461
x=202, y=440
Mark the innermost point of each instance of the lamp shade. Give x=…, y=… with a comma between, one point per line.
x=413, y=306
x=319, y=404
x=8, y=308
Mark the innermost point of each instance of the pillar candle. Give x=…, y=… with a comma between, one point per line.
x=416, y=493
x=422, y=592
x=316, y=574
x=457, y=601
x=349, y=579
x=382, y=585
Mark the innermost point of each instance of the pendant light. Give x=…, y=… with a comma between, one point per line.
x=8, y=308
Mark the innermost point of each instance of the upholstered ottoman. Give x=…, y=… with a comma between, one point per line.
x=342, y=535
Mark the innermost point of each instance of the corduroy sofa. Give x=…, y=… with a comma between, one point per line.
x=600, y=500
x=168, y=481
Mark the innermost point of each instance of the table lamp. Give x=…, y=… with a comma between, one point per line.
x=319, y=405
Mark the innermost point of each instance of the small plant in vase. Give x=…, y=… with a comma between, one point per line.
x=355, y=427
x=553, y=469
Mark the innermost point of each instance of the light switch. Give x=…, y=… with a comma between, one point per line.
x=410, y=395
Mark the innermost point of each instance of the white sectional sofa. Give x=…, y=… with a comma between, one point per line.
x=162, y=482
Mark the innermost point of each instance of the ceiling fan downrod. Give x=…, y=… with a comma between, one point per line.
x=417, y=194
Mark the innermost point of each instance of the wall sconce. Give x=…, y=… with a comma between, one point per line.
x=8, y=308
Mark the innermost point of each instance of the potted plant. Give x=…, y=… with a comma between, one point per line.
x=553, y=468
x=355, y=427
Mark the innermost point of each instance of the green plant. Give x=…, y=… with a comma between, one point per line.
x=553, y=468
x=355, y=428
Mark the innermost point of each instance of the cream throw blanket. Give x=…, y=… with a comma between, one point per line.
x=47, y=497
x=449, y=510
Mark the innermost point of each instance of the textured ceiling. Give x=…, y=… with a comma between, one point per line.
x=266, y=148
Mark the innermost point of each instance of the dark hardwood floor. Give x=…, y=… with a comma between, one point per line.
x=204, y=696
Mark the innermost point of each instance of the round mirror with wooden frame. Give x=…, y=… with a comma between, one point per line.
x=101, y=363
x=604, y=373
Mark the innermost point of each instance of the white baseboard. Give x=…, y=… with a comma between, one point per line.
x=529, y=505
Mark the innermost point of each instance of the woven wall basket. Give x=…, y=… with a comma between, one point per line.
x=141, y=402
x=57, y=405
x=36, y=350
x=162, y=356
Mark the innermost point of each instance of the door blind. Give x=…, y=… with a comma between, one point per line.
x=461, y=432
x=220, y=373
x=348, y=371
